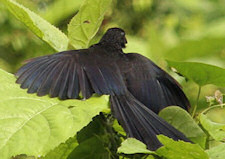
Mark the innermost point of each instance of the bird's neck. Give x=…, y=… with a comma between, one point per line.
x=113, y=47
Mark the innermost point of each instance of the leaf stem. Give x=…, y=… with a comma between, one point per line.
x=196, y=105
x=207, y=109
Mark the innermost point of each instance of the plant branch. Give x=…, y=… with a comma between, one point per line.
x=197, y=100
x=212, y=107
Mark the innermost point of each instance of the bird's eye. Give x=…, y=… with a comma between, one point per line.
x=122, y=33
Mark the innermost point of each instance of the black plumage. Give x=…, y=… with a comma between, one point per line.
x=138, y=88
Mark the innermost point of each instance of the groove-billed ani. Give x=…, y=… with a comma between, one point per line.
x=137, y=87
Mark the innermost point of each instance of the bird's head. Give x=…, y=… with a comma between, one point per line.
x=115, y=37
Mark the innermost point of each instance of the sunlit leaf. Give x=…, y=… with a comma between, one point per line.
x=119, y=128
x=86, y=22
x=187, y=125
x=200, y=73
x=179, y=149
x=217, y=152
x=35, y=125
x=132, y=146
x=63, y=150
x=43, y=29
x=61, y=9
x=216, y=130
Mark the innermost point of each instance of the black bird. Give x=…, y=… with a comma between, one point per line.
x=138, y=88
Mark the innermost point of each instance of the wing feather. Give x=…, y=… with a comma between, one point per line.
x=29, y=76
x=54, y=91
x=151, y=85
x=73, y=88
x=28, y=66
x=47, y=83
x=68, y=73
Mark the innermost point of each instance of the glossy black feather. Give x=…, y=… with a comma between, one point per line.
x=85, y=85
x=57, y=84
x=24, y=72
x=73, y=87
x=35, y=74
x=151, y=85
x=142, y=123
x=46, y=84
x=28, y=66
x=40, y=76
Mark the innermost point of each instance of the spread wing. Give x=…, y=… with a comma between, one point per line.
x=67, y=73
x=151, y=85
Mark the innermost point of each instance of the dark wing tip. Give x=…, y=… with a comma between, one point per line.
x=59, y=75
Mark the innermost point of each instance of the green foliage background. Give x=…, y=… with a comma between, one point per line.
x=192, y=31
x=185, y=31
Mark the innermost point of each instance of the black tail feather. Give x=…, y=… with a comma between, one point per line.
x=141, y=123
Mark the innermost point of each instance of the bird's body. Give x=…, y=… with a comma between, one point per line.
x=137, y=87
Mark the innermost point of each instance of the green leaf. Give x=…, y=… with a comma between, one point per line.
x=63, y=150
x=23, y=156
x=216, y=130
x=187, y=125
x=179, y=149
x=86, y=23
x=43, y=29
x=200, y=73
x=35, y=125
x=60, y=10
x=101, y=127
x=95, y=127
x=199, y=48
x=132, y=146
x=119, y=128
x=217, y=152
x=92, y=148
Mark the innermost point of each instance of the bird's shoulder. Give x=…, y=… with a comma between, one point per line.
x=142, y=64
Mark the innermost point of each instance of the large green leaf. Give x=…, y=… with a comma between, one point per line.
x=100, y=127
x=187, y=125
x=216, y=130
x=92, y=148
x=132, y=146
x=63, y=150
x=43, y=29
x=95, y=127
x=200, y=73
x=34, y=125
x=200, y=48
x=217, y=152
x=179, y=149
x=60, y=10
x=86, y=23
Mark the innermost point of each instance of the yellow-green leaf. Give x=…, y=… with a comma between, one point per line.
x=132, y=146
x=179, y=149
x=216, y=130
x=200, y=73
x=187, y=125
x=86, y=23
x=35, y=125
x=43, y=29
